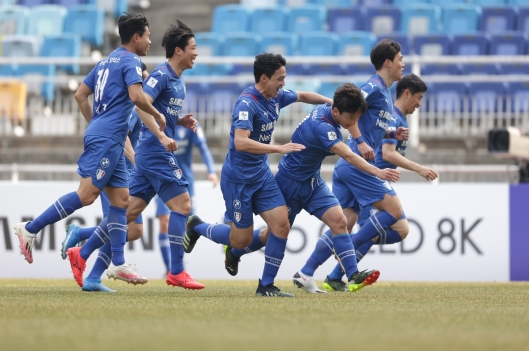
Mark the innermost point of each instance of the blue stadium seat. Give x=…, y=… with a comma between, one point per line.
x=327, y=89
x=470, y=44
x=88, y=21
x=230, y=18
x=342, y=20
x=13, y=19
x=461, y=18
x=360, y=69
x=372, y=3
x=446, y=97
x=201, y=69
x=402, y=39
x=195, y=92
x=209, y=44
x=318, y=44
x=486, y=96
x=7, y=2
x=222, y=96
x=383, y=20
x=68, y=3
x=356, y=43
x=519, y=96
x=522, y=24
x=420, y=19
x=514, y=68
x=283, y=43
x=498, y=19
x=320, y=69
x=20, y=46
x=432, y=45
x=405, y=3
x=8, y=70
x=485, y=3
x=508, y=43
x=519, y=3
x=64, y=45
x=269, y=19
x=241, y=69
x=31, y=3
x=47, y=20
x=306, y=19
x=242, y=44
x=480, y=68
x=47, y=89
x=440, y=69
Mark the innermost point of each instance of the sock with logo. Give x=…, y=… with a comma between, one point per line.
x=102, y=262
x=62, y=208
x=219, y=233
x=163, y=239
x=98, y=238
x=255, y=245
x=346, y=253
x=177, y=228
x=321, y=253
x=376, y=225
x=274, y=253
x=117, y=231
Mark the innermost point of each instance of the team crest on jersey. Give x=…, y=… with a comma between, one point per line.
x=105, y=162
x=237, y=216
x=138, y=70
x=172, y=162
x=332, y=135
x=237, y=204
x=178, y=173
x=100, y=174
x=152, y=82
x=181, y=133
x=243, y=115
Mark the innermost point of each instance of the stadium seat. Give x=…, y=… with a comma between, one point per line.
x=242, y=44
x=31, y=3
x=20, y=46
x=114, y=8
x=342, y=20
x=514, y=68
x=47, y=20
x=383, y=20
x=87, y=21
x=209, y=44
x=327, y=89
x=486, y=96
x=470, y=44
x=523, y=20
x=13, y=20
x=318, y=44
x=432, y=45
x=8, y=70
x=405, y=3
x=356, y=43
x=321, y=69
x=519, y=96
x=47, y=72
x=485, y=3
x=201, y=69
x=305, y=19
x=222, y=96
x=68, y=3
x=372, y=3
x=402, y=39
x=297, y=69
x=420, y=19
x=269, y=19
x=64, y=45
x=480, y=68
x=509, y=43
x=460, y=18
x=519, y=3
x=230, y=18
x=440, y=69
x=283, y=43
x=446, y=97
x=194, y=95
x=498, y=19
x=359, y=69
x=13, y=95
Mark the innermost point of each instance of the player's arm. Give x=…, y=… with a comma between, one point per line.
x=200, y=141
x=144, y=102
x=365, y=150
x=81, y=96
x=187, y=122
x=243, y=143
x=400, y=134
x=342, y=150
x=390, y=154
x=149, y=122
x=312, y=98
x=129, y=150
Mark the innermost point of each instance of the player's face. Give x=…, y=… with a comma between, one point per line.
x=397, y=67
x=143, y=43
x=276, y=82
x=346, y=119
x=415, y=101
x=190, y=53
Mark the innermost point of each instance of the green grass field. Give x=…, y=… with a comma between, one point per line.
x=56, y=315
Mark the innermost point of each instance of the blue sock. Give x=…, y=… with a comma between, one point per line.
x=255, y=245
x=363, y=250
x=337, y=273
x=86, y=233
x=98, y=238
x=117, y=230
x=219, y=233
x=346, y=253
x=62, y=208
x=177, y=228
x=274, y=253
x=321, y=253
x=376, y=225
x=163, y=239
x=102, y=262
x=389, y=236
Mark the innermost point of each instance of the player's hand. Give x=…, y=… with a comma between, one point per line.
x=428, y=173
x=366, y=151
x=189, y=122
x=402, y=134
x=168, y=143
x=290, y=147
x=389, y=174
x=161, y=122
x=212, y=177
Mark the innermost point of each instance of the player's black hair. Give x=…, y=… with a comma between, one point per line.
x=267, y=63
x=176, y=36
x=386, y=49
x=411, y=82
x=130, y=24
x=143, y=67
x=349, y=98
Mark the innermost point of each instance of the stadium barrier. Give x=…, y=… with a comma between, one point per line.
x=458, y=232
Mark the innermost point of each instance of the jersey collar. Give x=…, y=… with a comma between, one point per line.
x=258, y=94
x=396, y=109
x=379, y=79
x=170, y=69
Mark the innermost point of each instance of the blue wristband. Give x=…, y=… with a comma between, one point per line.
x=392, y=134
x=360, y=140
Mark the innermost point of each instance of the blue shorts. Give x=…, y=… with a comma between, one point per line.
x=356, y=189
x=104, y=161
x=105, y=204
x=157, y=174
x=367, y=212
x=243, y=200
x=313, y=196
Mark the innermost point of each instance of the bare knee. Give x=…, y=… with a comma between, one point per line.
x=281, y=229
x=402, y=228
x=87, y=197
x=339, y=225
x=135, y=231
x=240, y=243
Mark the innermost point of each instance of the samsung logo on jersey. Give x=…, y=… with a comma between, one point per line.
x=265, y=138
x=176, y=102
x=172, y=111
x=268, y=126
x=385, y=114
x=114, y=60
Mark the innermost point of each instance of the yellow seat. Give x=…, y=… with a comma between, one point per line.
x=13, y=95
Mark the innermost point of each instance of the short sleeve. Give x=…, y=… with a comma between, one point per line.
x=154, y=84
x=90, y=79
x=286, y=97
x=326, y=135
x=132, y=72
x=373, y=95
x=243, y=117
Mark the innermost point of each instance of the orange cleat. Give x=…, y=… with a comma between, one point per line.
x=77, y=263
x=183, y=280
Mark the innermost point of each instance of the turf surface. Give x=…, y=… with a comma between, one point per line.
x=56, y=315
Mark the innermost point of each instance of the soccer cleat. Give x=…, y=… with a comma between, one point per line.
x=183, y=280
x=270, y=291
x=191, y=237
x=334, y=285
x=77, y=263
x=71, y=240
x=362, y=279
x=26, y=241
x=96, y=285
x=231, y=262
x=125, y=272
x=306, y=283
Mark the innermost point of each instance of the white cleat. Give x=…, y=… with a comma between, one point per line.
x=125, y=272
x=26, y=240
x=306, y=283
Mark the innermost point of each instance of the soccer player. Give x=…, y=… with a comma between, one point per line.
x=185, y=139
x=116, y=85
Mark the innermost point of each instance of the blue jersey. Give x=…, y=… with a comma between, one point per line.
x=185, y=139
x=110, y=80
x=398, y=120
x=375, y=121
x=168, y=92
x=259, y=115
x=318, y=132
x=134, y=133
